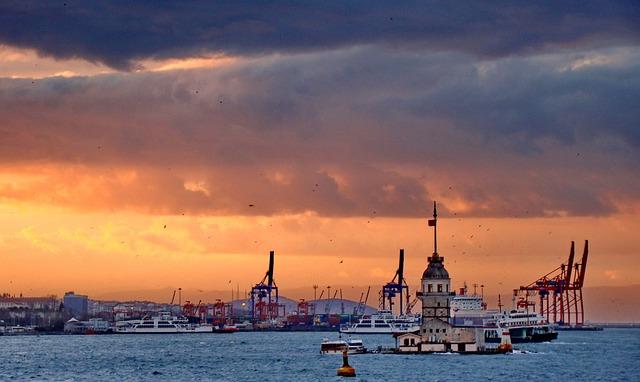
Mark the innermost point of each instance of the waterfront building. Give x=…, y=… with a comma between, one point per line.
x=77, y=305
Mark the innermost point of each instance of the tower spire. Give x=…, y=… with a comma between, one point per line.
x=434, y=223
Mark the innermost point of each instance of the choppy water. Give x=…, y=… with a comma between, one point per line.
x=611, y=355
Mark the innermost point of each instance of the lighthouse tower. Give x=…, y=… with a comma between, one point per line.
x=435, y=292
x=437, y=333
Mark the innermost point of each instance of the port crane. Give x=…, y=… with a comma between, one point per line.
x=362, y=304
x=411, y=305
x=327, y=307
x=264, y=295
x=560, y=291
x=221, y=312
x=397, y=286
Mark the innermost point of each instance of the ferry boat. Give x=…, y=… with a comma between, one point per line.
x=384, y=322
x=524, y=326
x=163, y=323
x=17, y=330
x=351, y=345
x=225, y=329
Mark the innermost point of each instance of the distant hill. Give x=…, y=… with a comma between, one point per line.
x=336, y=306
x=602, y=303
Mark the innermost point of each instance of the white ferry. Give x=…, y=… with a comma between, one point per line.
x=16, y=330
x=384, y=322
x=351, y=345
x=523, y=325
x=163, y=323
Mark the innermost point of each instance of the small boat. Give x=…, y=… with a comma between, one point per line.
x=225, y=329
x=351, y=345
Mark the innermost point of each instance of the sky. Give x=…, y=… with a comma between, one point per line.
x=148, y=145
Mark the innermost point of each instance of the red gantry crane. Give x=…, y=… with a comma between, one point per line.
x=560, y=291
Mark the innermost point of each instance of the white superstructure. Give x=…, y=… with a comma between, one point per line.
x=467, y=303
x=384, y=322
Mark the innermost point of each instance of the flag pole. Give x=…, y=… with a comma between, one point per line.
x=435, y=229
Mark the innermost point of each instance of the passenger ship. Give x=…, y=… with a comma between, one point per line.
x=163, y=323
x=523, y=325
x=384, y=322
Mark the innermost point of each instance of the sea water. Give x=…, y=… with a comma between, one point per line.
x=610, y=355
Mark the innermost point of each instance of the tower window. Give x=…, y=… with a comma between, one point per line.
x=430, y=288
x=439, y=288
x=447, y=287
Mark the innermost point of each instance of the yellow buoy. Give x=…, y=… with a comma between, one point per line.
x=346, y=370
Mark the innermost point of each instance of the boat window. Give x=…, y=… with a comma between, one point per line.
x=406, y=342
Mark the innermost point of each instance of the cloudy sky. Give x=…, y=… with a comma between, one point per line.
x=146, y=145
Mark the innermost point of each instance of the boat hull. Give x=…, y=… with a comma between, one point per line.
x=535, y=337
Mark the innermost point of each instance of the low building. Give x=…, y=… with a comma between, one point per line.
x=92, y=326
x=31, y=303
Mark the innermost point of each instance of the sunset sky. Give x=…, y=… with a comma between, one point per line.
x=148, y=145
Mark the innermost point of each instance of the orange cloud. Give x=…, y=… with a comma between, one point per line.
x=49, y=249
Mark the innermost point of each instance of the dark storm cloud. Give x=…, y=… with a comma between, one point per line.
x=342, y=133
x=120, y=32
